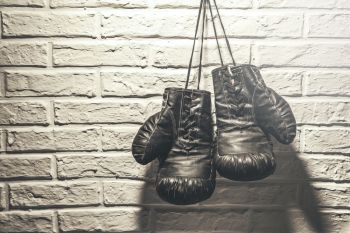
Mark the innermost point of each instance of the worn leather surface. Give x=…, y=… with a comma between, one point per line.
x=274, y=115
x=244, y=151
x=155, y=137
x=271, y=112
x=181, y=137
x=187, y=175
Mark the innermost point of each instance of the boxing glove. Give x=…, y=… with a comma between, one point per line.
x=271, y=112
x=155, y=137
x=243, y=151
x=187, y=174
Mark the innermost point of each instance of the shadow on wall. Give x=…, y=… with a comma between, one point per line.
x=282, y=203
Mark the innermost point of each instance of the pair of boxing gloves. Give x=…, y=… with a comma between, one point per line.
x=180, y=136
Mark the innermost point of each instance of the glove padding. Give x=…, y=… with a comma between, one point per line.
x=274, y=115
x=187, y=175
x=244, y=151
x=247, y=112
x=180, y=137
x=154, y=139
x=185, y=190
x=244, y=155
x=271, y=112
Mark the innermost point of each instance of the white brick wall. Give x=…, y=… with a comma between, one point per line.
x=78, y=77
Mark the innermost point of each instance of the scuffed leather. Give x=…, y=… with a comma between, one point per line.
x=244, y=152
x=153, y=139
x=271, y=112
x=274, y=115
x=187, y=175
x=181, y=138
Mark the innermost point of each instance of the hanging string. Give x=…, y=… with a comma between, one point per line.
x=202, y=42
x=202, y=4
x=223, y=29
x=216, y=34
x=194, y=43
x=202, y=15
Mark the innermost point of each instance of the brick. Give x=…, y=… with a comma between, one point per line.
x=50, y=83
x=32, y=3
x=21, y=53
x=272, y=221
x=105, y=112
x=104, y=220
x=2, y=197
x=261, y=25
x=121, y=53
x=254, y=194
x=180, y=23
x=327, y=140
x=53, y=140
x=304, y=55
x=2, y=84
x=286, y=83
x=294, y=166
x=328, y=83
x=321, y=112
x=23, y=113
x=308, y=221
x=58, y=194
x=24, y=24
x=243, y=4
x=202, y=221
x=2, y=137
x=99, y=3
x=141, y=83
x=332, y=168
x=122, y=166
x=338, y=221
x=297, y=220
x=287, y=220
x=19, y=167
x=345, y=228
x=118, y=138
x=329, y=25
x=327, y=194
x=315, y=220
x=127, y=192
x=177, y=52
x=21, y=221
x=1, y=27
x=304, y=4
x=170, y=23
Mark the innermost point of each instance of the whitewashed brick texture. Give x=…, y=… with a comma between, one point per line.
x=78, y=78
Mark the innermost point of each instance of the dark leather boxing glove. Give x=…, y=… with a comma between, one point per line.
x=155, y=137
x=272, y=113
x=244, y=151
x=187, y=175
